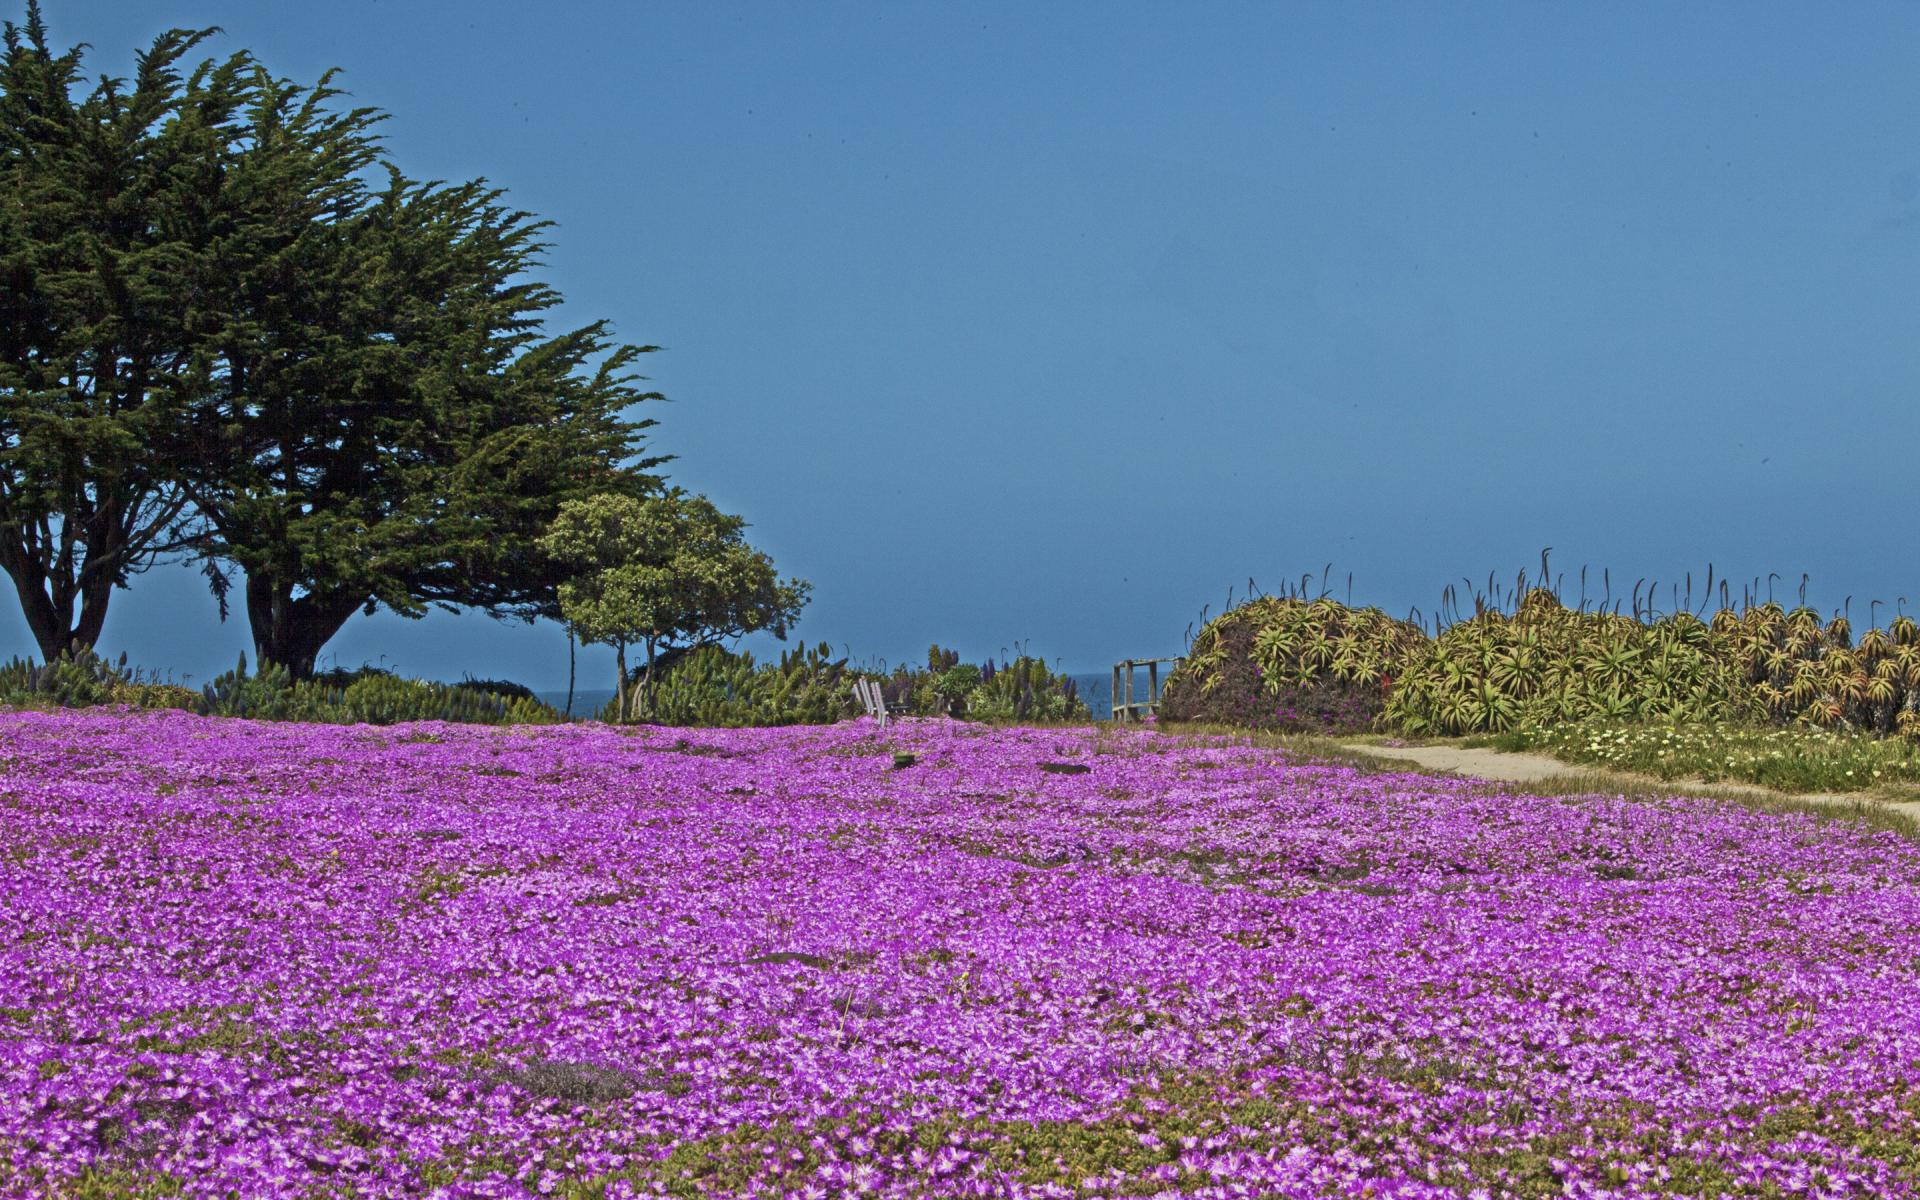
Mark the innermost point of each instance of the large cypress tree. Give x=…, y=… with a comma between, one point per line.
x=389, y=424
x=102, y=216
x=329, y=376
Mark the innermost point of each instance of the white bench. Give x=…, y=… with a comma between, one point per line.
x=871, y=698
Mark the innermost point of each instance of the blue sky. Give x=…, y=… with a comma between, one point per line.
x=1048, y=324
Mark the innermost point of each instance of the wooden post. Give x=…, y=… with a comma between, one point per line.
x=1125, y=707
x=1113, y=696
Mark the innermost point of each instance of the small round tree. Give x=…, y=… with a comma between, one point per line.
x=666, y=573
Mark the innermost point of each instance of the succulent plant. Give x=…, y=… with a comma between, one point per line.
x=84, y=678
x=713, y=686
x=1800, y=669
x=1025, y=690
x=1291, y=663
x=1548, y=664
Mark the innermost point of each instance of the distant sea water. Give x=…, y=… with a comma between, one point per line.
x=1096, y=688
x=587, y=702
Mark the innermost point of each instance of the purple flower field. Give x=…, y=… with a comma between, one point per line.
x=257, y=960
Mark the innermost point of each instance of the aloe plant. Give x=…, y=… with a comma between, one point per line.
x=1508, y=656
x=1285, y=662
x=1548, y=664
x=1811, y=673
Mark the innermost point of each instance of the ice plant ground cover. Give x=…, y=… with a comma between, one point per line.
x=292, y=960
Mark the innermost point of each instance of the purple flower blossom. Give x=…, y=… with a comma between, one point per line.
x=287, y=960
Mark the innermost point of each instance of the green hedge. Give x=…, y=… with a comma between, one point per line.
x=368, y=696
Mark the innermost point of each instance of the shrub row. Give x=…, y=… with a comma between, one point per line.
x=713, y=686
x=369, y=695
x=1023, y=689
x=1290, y=663
x=709, y=686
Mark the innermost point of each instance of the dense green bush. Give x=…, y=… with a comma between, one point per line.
x=85, y=679
x=1022, y=690
x=1547, y=664
x=76, y=682
x=1289, y=664
x=386, y=700
x=270, y=694
x=920, y=692
x=341, y=677
x=717, y=687
x=369, y=695
x=1805, y=670
x=506, y=689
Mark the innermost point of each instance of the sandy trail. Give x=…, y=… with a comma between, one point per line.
x=1504, y=767
x=1479, y=763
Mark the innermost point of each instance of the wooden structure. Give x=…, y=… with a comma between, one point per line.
x=871, y=698
x=867, y=691
x=1128, y=709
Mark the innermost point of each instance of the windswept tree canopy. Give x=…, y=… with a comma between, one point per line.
x=104, y=218
x=231, y=326
x=389, y=425
x=387, y=421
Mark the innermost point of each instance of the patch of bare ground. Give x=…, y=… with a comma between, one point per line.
x=1550, y=776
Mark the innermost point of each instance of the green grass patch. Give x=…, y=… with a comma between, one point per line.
x=1789, y=759
x=1137, y=1150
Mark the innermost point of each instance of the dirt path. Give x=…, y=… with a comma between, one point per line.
x=1481, y=764
x=1504, y=767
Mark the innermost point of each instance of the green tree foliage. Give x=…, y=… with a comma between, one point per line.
x=102, y=223
x=222, y=306
x=664, y=573
x=388, y=424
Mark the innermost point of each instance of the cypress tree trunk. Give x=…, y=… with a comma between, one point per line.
x=48, y=624
x=289, y=631
x=620, y=681
x=646, y=681
x=48, y=600
x=570, y=670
